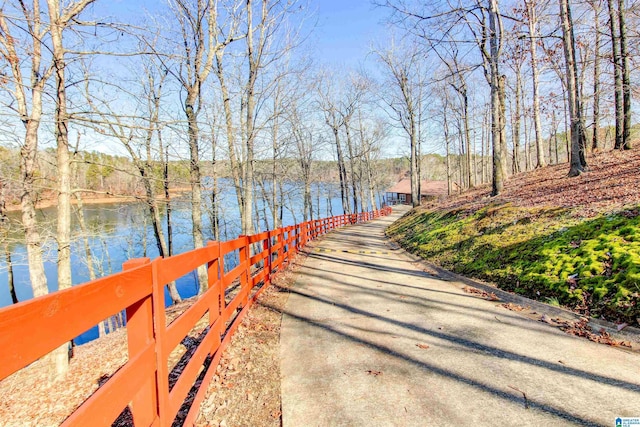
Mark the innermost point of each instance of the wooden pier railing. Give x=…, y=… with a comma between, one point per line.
x=31, y=329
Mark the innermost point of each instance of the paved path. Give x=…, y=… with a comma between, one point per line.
x=369, y=339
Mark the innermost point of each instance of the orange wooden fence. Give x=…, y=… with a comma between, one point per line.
x=33, y=328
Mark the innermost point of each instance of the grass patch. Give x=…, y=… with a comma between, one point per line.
x=592, y=266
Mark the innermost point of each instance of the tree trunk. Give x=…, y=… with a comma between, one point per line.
x=446, y=145
x=517, y=123
x=236, y=169
x=415, y=195
x=486, y=134
x=533, y=48
x=502, y=96
x=28, y=171
x=354, y=177
x=195, y=181
x=366, y=160
x=79, y=211
x=626, y=79
x=215, y=210
x=595, y=142
x=342, y=171
x=498, y=160
x=467, y=140
x=577, y=160
x=4, y=229
x=102, y=326
x=63, y=156
x=164, y=153
x=156, y=223
x=274, y=167
x=60, y=356
x=617, y=75
x=10, y=281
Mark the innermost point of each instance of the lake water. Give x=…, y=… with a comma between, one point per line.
x=121, y=231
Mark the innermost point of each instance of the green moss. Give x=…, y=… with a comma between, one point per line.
x=541, y=253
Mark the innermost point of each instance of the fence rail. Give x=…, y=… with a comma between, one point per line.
x=31, y=329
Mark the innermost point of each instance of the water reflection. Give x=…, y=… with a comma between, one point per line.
x=120, y=231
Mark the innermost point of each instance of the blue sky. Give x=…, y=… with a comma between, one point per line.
x=346, y=29
x=342, y=36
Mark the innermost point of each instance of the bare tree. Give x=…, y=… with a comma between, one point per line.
x=457, y=79
x=202, y=39
x=350, y=103
x=531, y=13
x=578, y=141
x=267, y=39
x=330, y=106
x=497, y=118
x=305, y=144
x=139, y=135
x=27, y=93
x=371, y=134
x=617, y=73
x=405, y=76
x=597, y=7
x=626, y=76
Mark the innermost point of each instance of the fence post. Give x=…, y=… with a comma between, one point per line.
x=282, y=242
x=140, y=333
x=304, y=228
x=266, y=246
x=214, y=276
x=291, y=248
x=246, y=274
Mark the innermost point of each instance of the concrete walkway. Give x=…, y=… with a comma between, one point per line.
x=370, y=339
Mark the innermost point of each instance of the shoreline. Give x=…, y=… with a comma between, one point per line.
x=101, y=200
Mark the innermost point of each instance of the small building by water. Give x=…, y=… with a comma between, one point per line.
x=401, y=192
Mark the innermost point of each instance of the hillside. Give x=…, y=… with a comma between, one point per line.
x=573, y=242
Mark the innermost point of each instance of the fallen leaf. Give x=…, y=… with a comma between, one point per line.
x=422, y=346
x=512, y=307
x=492, y=297
x=621, y=326
x=547, y=319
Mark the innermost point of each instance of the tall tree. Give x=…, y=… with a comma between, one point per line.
x=27, y=92
x=578, y=163
x=62, y=19
x=351, y=101
x=531, y=13
x=41, y=46
x=330, y=106
x=625, y=69
x=139, y=135
x=492, y=56
x=617, y=74
x=305, y=144
x=457, y=79
x=596, y=5
x=202, y=39
x=405, y=77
